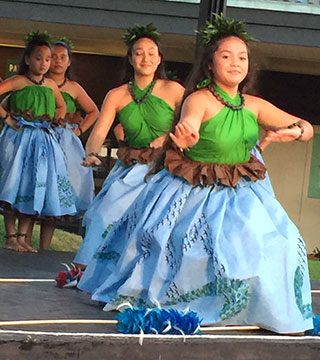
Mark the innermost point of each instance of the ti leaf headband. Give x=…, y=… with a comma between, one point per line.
x=38, y=36
x=221, y=27
x=131, y=35
x=64, y=40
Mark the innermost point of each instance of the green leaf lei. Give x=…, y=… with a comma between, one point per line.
x=64, y=40
x=133, y=34
x=38, y=36
x=221, y=27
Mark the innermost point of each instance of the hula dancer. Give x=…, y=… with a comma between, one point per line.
x=68, y=130
x=144, y=106
x=207, y=233
x=33, y=177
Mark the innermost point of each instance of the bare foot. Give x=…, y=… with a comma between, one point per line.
x=22, y=241
x=12, y=243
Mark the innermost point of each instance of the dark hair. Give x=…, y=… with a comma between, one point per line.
x=66, y=46
x=200, y=71
x=29, y=49
x=128, y=70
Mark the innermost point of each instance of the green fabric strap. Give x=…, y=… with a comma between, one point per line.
x=228, y=137
x=146, y=121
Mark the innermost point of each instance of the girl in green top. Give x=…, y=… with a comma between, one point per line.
x=67, y=132
x=33, y=176
x=144, y=106
x=207, y=233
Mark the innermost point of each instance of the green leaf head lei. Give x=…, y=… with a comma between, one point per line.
x=221, y=27
x=38, y=37
x=131, y=35
x=65, y=41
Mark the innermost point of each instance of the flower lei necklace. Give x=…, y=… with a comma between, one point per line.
x=145, y=96
x=226, y=103
x=35, y=81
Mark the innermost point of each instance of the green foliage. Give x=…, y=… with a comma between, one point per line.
x=133, y=34
x=221, y=27
x=314, y=269
x=38, y=36
x=64, y=40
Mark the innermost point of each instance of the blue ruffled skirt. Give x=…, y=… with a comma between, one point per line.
x=230, y=254
x=119, y=190
x=81, y=178
x=33, y=174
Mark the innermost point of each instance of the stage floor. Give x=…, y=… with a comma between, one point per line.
x=45, y=301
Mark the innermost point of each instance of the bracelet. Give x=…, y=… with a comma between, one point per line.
x=300, y=126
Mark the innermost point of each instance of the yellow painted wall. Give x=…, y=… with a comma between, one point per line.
x=289, y=170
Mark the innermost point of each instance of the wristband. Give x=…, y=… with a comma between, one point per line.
x=300, y=126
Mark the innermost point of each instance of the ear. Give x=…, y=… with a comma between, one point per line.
x=26, y=60
x=130, y=60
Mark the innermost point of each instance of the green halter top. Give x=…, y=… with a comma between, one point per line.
x=228, y=137
x=146, y=121
x=70, y=102
x=39, y=99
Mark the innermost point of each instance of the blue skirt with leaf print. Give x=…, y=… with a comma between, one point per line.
x=33, y=174
x=81, y=178
x=230, y=254
x=120, y=189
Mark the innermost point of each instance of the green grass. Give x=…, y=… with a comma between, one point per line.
x=314, y=269
x=66, y=241
x=61, y=241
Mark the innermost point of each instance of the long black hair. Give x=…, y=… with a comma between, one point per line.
x=23, y=68
x=128, y=70
x=202, y=69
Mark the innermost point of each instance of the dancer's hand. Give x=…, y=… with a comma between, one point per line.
x=184, y=136
x=281, y=135
x=91, y=160
x=77, y=132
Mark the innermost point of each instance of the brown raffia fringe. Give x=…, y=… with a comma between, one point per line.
x=28, y=116
x=196, y=172
x=129, y=156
